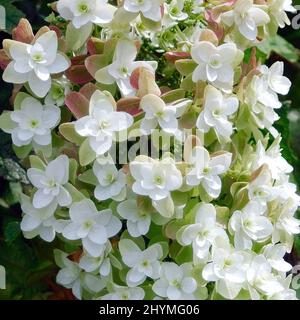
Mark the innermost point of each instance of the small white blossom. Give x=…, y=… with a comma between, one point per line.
x=59, y=89
x=142, y=264
x=151, y=9
x=50, y=183
x=275, y=79
x=285, y=224
x=112, y=183
x=175, y=282
x=35, y=63
x=203, y=232
x=103, y=123
x=155, y=178
x=216, y=111
x=249, y=225
x=138, y=221
x=83, y=12
x=92, y=226
x=275, y=256
x=100, y=264
x=38, y=221
x=32, y=123
x=71, y=276
x=123, y=66
x=272, y=158
x=228, y=270
x=174, y=12
x=278, y=9
x=215, y=64
x=247, y=17
x=157, y=112
x=205, y=170
x=261, y=280
x=124, y=293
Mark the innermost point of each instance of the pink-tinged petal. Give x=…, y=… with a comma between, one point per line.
x=134, y=78
x=79, y=75
x=78, y=104
x=56, y=30
x=130, y=105
x=88, y=90
x=4, y=59
x=174, y=56
x=95, y=63
x=78, y=60
x=23, y=32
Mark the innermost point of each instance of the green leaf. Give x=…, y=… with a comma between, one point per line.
x=76, y=38
x=75, y=194
x=36, y=162
x=280, y=46
x=12, y=231
x=67, y=130
x=22, y=152
x=89, y=178
x=73, y=167
x=13, y=14
x=86, y=154
x=6, y=123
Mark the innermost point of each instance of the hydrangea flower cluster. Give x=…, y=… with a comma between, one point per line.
x=155, y=189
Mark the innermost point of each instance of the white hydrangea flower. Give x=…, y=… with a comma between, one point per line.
x=285, y=224
x=174, y=12
x=123, y=66
x=50, y=183
x=38, y=221
x=246, y=17
x=151, y=9
x=124, y=293
x=261, y=280
x=262, y=102
x=83, y=12
x=71, y=276
x=216, y=111
x=203, y=232
x=250, y=224
x=286, y=293
x=275, y=79
x=175, y=282
x=272, y=158
x=102, y=123
x=205, y=170
x=260, y=189
x=112, y=183
x=275, y=256
x=227, y=269
x=155, y=178
x=138, y=221
x=32, y=123
x=197, y=6
x=35, y=63
x=215, y=64
x=157, y=112
x=100, y=264
x=92, y=226
x=59, y=89
x=278, y=9
x=142, y=263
